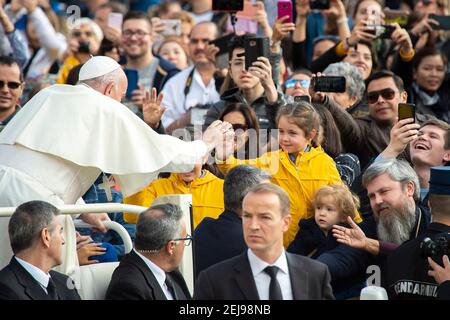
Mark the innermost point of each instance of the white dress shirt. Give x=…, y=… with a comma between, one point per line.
x=159, y=274
x=177, y=103
x=40, y=276
x=262, y=279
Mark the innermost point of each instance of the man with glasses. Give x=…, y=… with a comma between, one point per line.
x=195, y=85
x=150, y=270
x=11, y=88
x=368, y=136
x=137, y=43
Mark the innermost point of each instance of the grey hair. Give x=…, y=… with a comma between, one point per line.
x=353, y=77
x=98, y=82
x=398, y=170
x=237, y=183
x=27, y=222
x=158, y=225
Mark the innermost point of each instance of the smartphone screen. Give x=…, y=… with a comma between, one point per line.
x=329, y=84
x=406, y=110
x=444, y=22
x=285, y=9
x=133, y=78
x=172, y=27
x=249, y=10
x=115, y=20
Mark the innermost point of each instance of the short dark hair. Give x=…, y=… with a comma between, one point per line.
x=158, y=225
x=137, y=15
x=9, y=61
x=386, y=74
x=27, y=222
x=282, y=195
x=427, y=52
x=238, y=42
x=237, y=182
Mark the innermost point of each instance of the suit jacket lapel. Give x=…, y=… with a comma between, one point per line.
x=32, y=288
x=244, y=277
x=299, y=278
x=153, y=284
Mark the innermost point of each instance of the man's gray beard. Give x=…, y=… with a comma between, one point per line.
x=397, y=225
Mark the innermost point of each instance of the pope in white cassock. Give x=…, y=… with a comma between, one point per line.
x=65, y=136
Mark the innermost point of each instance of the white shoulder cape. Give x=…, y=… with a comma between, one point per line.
x=83, y=126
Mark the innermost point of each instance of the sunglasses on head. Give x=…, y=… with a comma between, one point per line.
x=238, y=126
x=387, y=94
x=292, y=82
x=10, y=85
x=78, y=33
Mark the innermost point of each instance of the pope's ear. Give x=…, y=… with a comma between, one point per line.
x=109, y=89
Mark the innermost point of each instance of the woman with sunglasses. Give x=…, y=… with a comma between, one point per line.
x=246, y=128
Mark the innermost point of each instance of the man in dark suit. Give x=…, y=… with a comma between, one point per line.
x=265, y=271
x=36, y=238
x=149, y=272
x=222, y=238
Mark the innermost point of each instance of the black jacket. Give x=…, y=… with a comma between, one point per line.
x=407, y=269
x=17, y=284
x=133, y=280
x=216, y=240
x=233, y=279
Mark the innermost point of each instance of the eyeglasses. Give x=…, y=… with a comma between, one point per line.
x=11, y=85
x=239, y=126
x=187, y=240
x=137, y=33
x=292, y=82
x=78, y=33
x=387, y=94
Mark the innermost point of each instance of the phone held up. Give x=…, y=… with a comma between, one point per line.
x=406, y=110
x=319, y=4
x=228, y=5
x=133, y=78
x=328, y=84
x=285, y=9
x=255, y=47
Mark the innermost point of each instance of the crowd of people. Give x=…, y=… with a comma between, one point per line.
x=296, y=191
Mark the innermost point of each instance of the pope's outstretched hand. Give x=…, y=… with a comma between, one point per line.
x=216, y=134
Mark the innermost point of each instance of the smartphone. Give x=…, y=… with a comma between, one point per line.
x=84, y=47
x=223, y=43
x=387, y=33
x=133, y=78
x=115, y=20
x=228, y=5
x=329, y=84
x=255, y=47
x=319, y=4
x=249, y=10
x=172, y=27
x=406, y=110
x=444, y=22
x=244, y=25
x=285, y=9
x=396, y=16
x=302, y=98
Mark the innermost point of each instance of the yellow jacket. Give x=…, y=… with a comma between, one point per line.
x=207, y=195
x=312, y=170
x=64, y=70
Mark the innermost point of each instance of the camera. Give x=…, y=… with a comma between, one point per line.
x=228, y=5
x=319, y=4
x=84, y=47
x=437, y=247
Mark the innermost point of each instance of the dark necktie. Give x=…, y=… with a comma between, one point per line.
x=274, y=287
x=170, y=287
x=51, y=290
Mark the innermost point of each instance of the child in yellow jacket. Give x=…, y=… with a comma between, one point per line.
x=206, y=190
x=300, y=167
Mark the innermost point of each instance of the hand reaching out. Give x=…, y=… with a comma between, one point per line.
x=152, y=109
x=216, y=133
x=96, y=219
x=89, y=250
x=353, y=237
